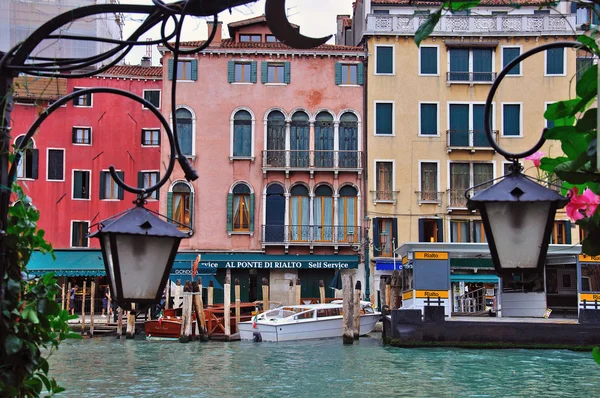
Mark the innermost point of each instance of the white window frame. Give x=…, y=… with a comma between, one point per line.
x=247, y=183
x=437, y=162
x=71, y=234
x=346, y=63
x=437, y=104
x=564, y=64
x=73, y=184
x=502, y=59
x=393, y=60
x=33, y=146
x=91, y=135
x=144, y=129
x=159, y=96
x=249, y=62
x=48, y=163
x=393, y=162
x=520, y=119
x=493, y=71
x=193, y=155
x=252, y=134
x=273, y=63
x=437, y=47
x=91, y=105
x=393, y=118
x=470, y=103
x=157, y=192
x=118, y=187
x=471, y=163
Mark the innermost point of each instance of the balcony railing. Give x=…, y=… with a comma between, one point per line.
x=490, y=24
x=430, y=197
x=384, y=196
x=470, y=77
x=310, y=234
x=278, y=160
x=456, y=199
x=469, y=139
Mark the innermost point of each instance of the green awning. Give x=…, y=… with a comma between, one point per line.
x=474, y=278
x=67, y=263
x=471, y=263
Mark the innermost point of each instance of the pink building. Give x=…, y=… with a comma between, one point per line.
x=276, y=135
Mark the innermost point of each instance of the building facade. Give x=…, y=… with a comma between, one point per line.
x=276, y=136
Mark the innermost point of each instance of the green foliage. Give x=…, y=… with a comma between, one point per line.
x=30, y=318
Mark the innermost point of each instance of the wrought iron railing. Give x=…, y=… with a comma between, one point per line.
x=470, y=77
x=310, y=234
x=384, y=196
x=456, y=198
x=470, y=139
x=276, y=159
x=430, y=197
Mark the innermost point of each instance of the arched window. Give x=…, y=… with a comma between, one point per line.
x=28, y=165
x=276, y=139
x=299, y=213
x=275, y=214
x=348, y=141
x=185, y=124
x=324, y=140
x=299, y=140
x=323, y=214
x=180, y=205
x=242, y=134
x=240, y=216
x=348, y=215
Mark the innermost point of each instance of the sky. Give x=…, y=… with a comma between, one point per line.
x=316, y=18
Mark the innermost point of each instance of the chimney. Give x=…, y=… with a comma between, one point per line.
x=218, y=33
x=146, y=62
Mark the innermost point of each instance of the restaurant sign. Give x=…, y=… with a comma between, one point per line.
x=258, y=261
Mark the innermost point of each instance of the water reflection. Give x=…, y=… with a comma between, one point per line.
x=106, y=367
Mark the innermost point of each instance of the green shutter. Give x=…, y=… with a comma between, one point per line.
x=568, y=232
x=121, y=193
x=231, y=71
x=170, y=69
x=286, y=72
x=140, y=179
x=77, y=185
x=429, y=61
x=102, y=184
x=428, y=119
x=338, y=73
x=264, y=72
x=509, y=54
x=376, y=252
x=229, y=212
x=191, y=210
x=440, y=230
x=383, y=114
x=511, y=120
x=360, y=78
x=34, y=163
x=385, y=60
x=422, y=230
x=393, y=240
x=251, y=212
x=253, y=71
x=555, y=61
x=194, y=69
x=170, y=205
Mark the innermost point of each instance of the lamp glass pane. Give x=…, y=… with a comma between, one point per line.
x=109, y=262
x=518, y=229
x=142, y=262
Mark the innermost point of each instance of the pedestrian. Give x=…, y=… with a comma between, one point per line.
x=72, y=299
x=105, y=301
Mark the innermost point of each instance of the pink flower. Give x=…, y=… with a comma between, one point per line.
x=536, y=157
x=583, y=205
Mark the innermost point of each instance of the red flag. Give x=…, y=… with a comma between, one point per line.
x=195, y=267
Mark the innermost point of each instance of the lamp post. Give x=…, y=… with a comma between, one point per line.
x=517, y=212
x=363, y=248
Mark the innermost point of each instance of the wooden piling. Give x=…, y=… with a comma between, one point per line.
x=227, y=305
x=168, y=295
x=83, y=308
x=62, y=307
x=237, y=303
x=109, y=308
x=348, y=308
x=388, y=292
x=298, y=292
x=357, y=290
x=265, y=293
x=177, y=300
x=291, y=293
x=130, y=332
x=186, y=316
x=69, y=299
x=199, y=308
x=119, y=322
x=372, y=287
x=92, y=307
x=395, y=290
x=211, y=288
x=322, y=292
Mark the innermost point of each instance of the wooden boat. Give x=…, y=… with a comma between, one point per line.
x=302, y=322
x=168, y=326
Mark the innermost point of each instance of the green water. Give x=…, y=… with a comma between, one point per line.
x=106, y=367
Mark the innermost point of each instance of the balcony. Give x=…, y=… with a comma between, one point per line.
x=384, y=196
x=470, y=77
x=488, y=25
x=295, y=160
x=470, y=140
x=309, y=235
x=430, y=197
x=456, y=199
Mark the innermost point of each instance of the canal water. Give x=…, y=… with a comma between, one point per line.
x=106, y=367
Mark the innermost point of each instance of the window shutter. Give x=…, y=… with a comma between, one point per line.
x=264, y=72
x=429, y=60
x=383, y=116
x=191, y=210
x=34, y=163
x=568, y=232
x=509, y=54
x=170, y=69
x=194, y=69
x=140, y=179
x=338, y=73
x=511, y=120
x=376, y=242
x=231, y=71
x=121, y=175
x=555, y=61
x=428, y=119
x=385, y=61
x=360, y=78
x=73, y=135
x=170, y=205
x=74, y=234
x=286, y=72
x=103, y=184
x=253, y=71
x=251, y=212
x=421, y=230
x=77, y=185
x=440, y=230
x=394, y=236
x=229, y=212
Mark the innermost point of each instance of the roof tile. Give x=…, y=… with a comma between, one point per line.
x=134, y=71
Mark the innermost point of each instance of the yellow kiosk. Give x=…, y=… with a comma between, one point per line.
x=588, y=267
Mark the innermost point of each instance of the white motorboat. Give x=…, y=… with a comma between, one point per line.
x=302, y=322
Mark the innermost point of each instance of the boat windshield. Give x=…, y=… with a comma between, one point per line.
x=285, y=312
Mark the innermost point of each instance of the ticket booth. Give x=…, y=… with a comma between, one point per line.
x=426, y=280
x=588, y=268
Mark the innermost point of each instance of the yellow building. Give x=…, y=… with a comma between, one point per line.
x=426, y=142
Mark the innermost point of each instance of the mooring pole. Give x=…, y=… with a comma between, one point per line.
x=265, y=293
x=348, y=308
x=322, y=292
x=357, y=291
x=227, y=306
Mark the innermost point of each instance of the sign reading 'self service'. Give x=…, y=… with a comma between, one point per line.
x=431, y=256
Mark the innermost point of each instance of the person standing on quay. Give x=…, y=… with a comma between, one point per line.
x=105, y=302
x=72, y=299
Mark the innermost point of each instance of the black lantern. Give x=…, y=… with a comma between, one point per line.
x=518, y=216
x=139, y=250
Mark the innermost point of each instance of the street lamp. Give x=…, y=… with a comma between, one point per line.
x=517, y=212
